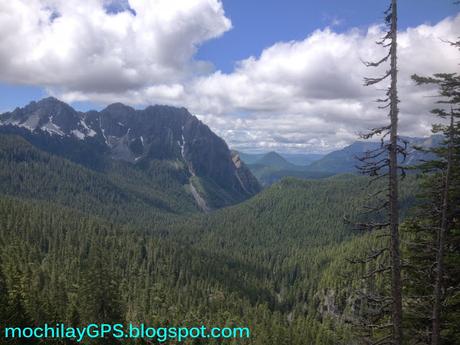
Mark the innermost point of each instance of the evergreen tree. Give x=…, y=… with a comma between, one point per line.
x=4, y=298
x=99, y=292
x=434, y=251
x=99, y=296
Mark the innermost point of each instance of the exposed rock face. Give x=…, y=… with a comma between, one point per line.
x=157, y=132
x=244, y=175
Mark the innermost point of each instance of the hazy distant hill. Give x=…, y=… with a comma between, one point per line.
x=302, y=159
x=272, y=167
x=275, y=160
x=345, y=161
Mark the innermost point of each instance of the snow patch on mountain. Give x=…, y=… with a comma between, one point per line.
x=78, y=134
x=89, y=131
x=52, y=128
x=31, y=123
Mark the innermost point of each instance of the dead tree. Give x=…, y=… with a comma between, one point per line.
x=382, y=163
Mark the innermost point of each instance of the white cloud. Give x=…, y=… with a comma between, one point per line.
x=298, y=95
x=301, y=93
x=82, y=47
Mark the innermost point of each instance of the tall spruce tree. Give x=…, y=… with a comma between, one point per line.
x=434, y=253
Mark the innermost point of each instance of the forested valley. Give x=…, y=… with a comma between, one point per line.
x=280, y=263
x=172, y=229
x=247, y=264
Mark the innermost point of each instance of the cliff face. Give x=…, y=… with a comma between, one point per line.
x=246, y=178
x=162, y=133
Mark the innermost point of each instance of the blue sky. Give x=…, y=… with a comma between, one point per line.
x=259, y=24
x=265, y=75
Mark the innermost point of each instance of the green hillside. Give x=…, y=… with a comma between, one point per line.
x=123, y=192
x=264, y=263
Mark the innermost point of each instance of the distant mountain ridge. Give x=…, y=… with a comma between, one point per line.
x=345, y=160
x=298, y=159
x=272, y=166
x=302, y=159
x=135, y=136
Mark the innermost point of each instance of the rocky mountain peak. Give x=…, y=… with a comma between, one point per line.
x=118, y=110
x=154, y=133
x=48, y=115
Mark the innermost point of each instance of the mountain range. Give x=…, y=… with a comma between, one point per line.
x=168, y=136
x=211, y=173
x=272, y=166
x=345, y=160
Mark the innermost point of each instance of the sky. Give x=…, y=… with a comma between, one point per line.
x=264, y=75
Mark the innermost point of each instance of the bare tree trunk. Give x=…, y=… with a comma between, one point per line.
x=372, y=168
x=393, y=187
x=436, y=318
